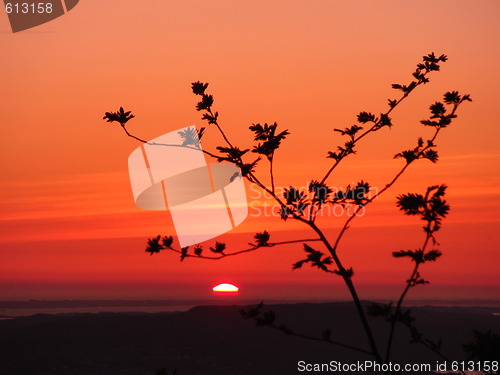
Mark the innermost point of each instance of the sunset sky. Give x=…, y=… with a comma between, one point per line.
x=69, y=227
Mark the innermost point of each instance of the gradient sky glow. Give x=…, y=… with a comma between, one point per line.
x=69, y=227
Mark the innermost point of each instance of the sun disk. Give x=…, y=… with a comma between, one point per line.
x=225, y=288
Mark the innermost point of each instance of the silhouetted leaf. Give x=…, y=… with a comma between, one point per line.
x=385, y=120
x=320, y=191
x=154, y=245
x=411, y=204
x=437, y=109
x=351, y=131
x=452, y=97
x=432, y=155
x=184, y=252
x=167, y=241
x=293, y=195
x=271, y=140
x=364, y=117
x=233, y=154
x=119, y=116
x=408, y=155
x=262, y=238
x=247, y=168
x=205, y=103
x=199, y=87
x=218, y=248
x=212, y=119
x=315, y=258
x=334, y=155
x=198, y=250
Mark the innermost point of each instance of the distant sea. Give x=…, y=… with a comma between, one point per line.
x=10, y=309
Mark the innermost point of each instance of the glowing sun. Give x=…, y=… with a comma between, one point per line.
x=225, y=288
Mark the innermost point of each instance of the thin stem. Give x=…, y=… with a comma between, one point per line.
x=166, y=144
x=271, y=158
x=409, y=284
x=313, y=338
x=131, y=135
x=350, y=286
x=209, y=110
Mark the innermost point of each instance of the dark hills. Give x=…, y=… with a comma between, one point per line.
x=217, y=340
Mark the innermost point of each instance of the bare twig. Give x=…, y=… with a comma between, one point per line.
x=328, y=341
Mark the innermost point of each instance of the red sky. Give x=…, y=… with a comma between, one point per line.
x=69, y=227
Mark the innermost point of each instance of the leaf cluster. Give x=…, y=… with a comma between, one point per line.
x=296, y=200
x=421, y=151
x=315, y=258
x=262, y=239
x=431, y=207
x=206, y=102
x=121, y=116
x=234, y=155
x=342, y=151
x=430, y=63
x=357, y=194
x=158, y=243
x=440, y=117
x=270, y=140
x=418, y=256
x=318, y=194
x=264, y=318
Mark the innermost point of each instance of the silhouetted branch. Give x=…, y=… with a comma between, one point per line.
x=321, y=339
x=183, y=252
x=295, y=203
x=167, y=144
x=418, y=155
x=409, y=283
x=346, y=274
x=430, y=63
x=432, y=208
x=268, y=318
x=271, y=174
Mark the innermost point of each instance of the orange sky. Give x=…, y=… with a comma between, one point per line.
x=69, y=227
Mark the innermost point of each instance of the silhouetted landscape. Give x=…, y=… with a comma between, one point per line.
x=336, y=159
x=217, y=340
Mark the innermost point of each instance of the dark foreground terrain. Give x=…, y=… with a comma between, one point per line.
x=217, y=340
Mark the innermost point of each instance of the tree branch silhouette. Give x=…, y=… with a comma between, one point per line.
x=305, y=206
x=268, y=318
x=114, y=116
x=157, y=244
x=429, y=64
